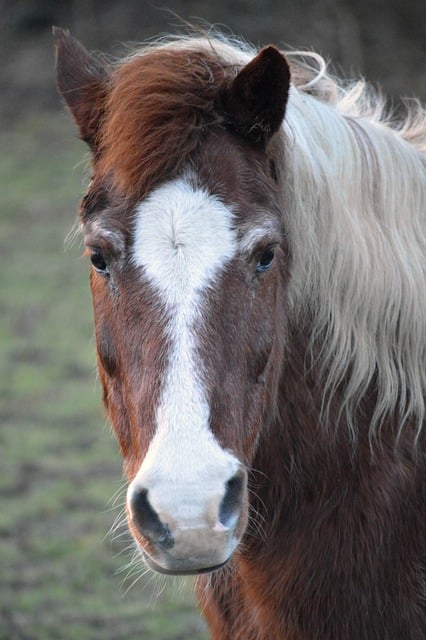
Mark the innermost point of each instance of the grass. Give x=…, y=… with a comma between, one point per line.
x=60, y=571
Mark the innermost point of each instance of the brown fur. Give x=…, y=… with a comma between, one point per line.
x=159, y=107
x=344, y=531
x=335, y=546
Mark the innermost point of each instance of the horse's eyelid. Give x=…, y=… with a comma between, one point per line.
x=268, y=246
x=91, y=248
x=99, y=246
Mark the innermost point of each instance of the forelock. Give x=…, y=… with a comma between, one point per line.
x=160, y=106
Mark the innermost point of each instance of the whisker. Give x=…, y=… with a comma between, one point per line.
x=123, y=551
x=136, y=580
x=117, y=494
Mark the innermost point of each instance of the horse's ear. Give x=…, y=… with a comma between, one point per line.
x=254, y=104
x=82, y=80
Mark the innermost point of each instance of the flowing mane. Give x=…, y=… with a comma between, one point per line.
x=358, y=256
x=362, y=267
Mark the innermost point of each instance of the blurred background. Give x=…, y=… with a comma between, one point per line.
x=64, y=551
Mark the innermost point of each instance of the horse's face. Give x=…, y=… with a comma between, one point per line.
x=187, y=287
x=186, y=301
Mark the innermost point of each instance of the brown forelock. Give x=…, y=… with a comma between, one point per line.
x=158, y=109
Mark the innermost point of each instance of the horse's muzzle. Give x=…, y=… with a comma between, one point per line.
x=189, y=529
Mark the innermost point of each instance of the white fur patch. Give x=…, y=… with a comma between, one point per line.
x=183, y=237
x=183, y=240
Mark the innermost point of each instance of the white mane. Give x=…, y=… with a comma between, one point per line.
x=355, y=214
x=356, y=219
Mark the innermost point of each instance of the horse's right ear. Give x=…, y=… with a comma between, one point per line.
x=82, y=80
x=255, y=102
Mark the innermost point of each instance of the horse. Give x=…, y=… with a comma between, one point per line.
x=256, y=234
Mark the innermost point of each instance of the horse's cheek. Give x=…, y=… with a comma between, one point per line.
x=108, y=365
x=253, y=418
x=118, y=416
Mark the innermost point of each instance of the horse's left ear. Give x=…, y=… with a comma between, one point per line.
x=255, y=102
x=82, y=79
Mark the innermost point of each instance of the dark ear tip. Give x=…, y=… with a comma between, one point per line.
x=271, y=51
x=274, y=56
x=254, y=104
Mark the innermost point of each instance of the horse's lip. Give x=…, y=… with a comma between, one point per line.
x=190, y=572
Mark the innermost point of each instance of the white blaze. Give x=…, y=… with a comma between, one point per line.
x=183, y=240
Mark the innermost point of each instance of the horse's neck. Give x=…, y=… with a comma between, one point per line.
x=300, y=453
x=320, y=542
x=309, y=454
x=321, y=505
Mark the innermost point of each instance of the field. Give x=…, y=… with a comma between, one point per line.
x=63, y=565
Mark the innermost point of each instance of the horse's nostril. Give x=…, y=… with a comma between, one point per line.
x=230, y=507
x=147, y=521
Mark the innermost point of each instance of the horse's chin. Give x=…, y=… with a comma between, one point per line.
x=192, y=571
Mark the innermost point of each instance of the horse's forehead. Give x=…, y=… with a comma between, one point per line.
x=183, y=237
x=184, y=228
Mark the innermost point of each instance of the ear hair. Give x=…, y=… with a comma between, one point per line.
x=82, y=79
x=254, y=103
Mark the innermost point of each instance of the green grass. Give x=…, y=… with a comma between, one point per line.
x=60, y=571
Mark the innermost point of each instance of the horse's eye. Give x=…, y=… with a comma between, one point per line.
x=99, y=262
x=266, y=260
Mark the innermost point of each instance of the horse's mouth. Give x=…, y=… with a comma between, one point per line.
x=181, y=572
